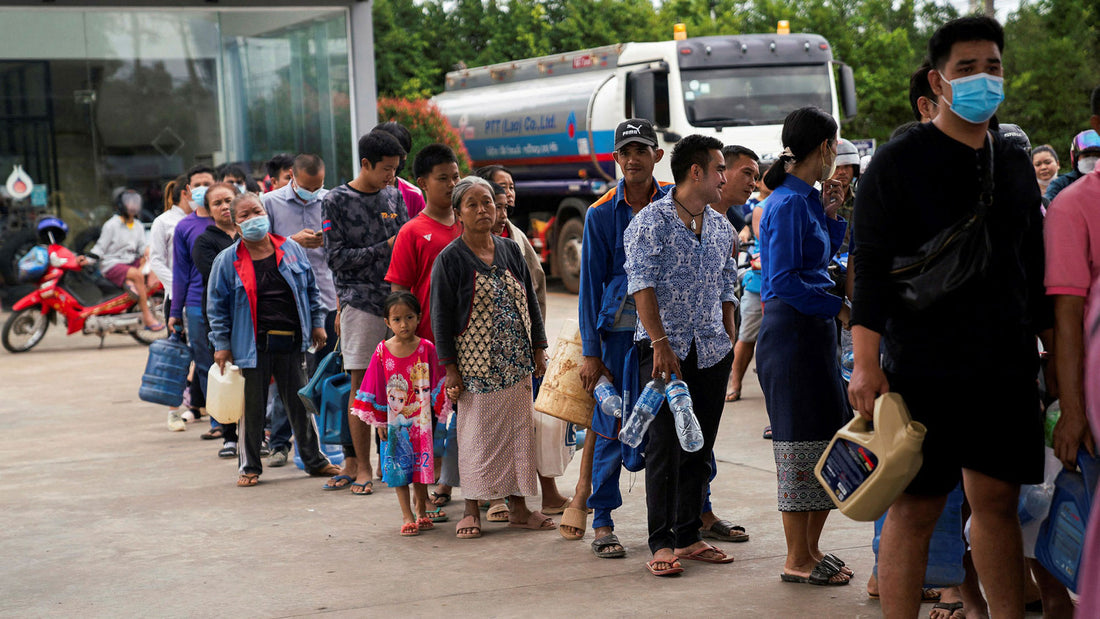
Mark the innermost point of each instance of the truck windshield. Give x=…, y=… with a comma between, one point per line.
x=749, y=96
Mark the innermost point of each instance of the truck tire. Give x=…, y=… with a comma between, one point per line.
x=13, y=248
x=568, y=253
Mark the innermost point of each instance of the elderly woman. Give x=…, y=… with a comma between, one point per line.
x=264, y=309
x=490, y=339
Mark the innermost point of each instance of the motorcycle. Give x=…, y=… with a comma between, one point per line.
x=88, y=303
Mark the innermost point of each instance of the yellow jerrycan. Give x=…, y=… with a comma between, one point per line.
x=225, y=393
x=868, y=465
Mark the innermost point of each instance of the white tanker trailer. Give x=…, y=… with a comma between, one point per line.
x=551, y=120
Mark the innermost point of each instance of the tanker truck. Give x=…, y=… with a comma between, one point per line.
x=551, y=120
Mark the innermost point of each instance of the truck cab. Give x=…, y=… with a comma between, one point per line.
x=551, y=120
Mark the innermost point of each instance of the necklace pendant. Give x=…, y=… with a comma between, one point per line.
x=693, y=224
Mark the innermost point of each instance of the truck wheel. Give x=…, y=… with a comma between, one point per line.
x=568, y=253
x=15, y=247
x=25, y=328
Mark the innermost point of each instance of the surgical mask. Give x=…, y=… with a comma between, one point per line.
x=306, y=196
x=827, y=171
x=241, y=188
x=1087, y=164
x=255, y=229
x=198, y=196
x=975, y=98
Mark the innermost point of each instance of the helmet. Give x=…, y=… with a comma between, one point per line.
x=46, y=225
x=124, y=199
x=1086, y=140
x=847, y=153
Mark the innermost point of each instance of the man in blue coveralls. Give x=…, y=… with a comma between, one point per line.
x=607, y=322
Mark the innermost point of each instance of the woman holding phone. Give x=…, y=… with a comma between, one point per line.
x=796, y=350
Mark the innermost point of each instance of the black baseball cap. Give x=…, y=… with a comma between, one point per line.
x=637, y=130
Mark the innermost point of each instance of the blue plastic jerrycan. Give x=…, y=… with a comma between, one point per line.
x=166, y=372
x=945, y=551
x=335, y=396
x=1062, y=535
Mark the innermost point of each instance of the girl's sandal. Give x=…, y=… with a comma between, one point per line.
x=424, y=523
x=410, y=529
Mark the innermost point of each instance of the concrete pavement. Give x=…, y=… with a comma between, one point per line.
x=106, y=513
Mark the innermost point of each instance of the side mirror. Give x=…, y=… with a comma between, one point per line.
x=847, y=87
x=647, y=95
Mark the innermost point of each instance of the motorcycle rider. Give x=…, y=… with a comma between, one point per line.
x=1084, y=152
x=121, y=253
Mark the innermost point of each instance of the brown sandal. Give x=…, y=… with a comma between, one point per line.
x=247, y=480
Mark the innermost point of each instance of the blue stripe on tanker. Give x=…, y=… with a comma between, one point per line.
x=531, y=146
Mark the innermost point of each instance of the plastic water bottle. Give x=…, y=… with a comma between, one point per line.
x=1035, y=502
x=1053, y=414
x=847, y=355
x=687, y=425
x=645, y=409
x=611, y=404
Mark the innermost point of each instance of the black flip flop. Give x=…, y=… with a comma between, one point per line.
x=821, y=575
x=950, y=607
x=725, y=531
x=601, y=545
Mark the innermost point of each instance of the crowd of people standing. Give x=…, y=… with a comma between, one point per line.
x=438, y=304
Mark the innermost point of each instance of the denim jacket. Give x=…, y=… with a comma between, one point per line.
x=231, y=306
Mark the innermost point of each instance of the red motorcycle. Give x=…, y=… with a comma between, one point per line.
x=86, y=301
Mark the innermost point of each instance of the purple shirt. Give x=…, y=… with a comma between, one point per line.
x=414, y=200
x=186, y=279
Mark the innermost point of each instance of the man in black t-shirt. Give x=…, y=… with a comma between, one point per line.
x=966, y=365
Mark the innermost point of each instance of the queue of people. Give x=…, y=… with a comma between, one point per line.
x=438, y=303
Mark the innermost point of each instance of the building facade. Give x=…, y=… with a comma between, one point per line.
x=98, y=96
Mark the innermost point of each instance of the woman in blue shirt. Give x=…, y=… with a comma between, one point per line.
x=796, y=349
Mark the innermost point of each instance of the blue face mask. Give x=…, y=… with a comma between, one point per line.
x=975, y=98
x=255, y=229
x=198, y=196
x=306, y=196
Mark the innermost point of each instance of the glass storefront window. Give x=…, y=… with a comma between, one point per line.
x=287, y=87
x=93, y=101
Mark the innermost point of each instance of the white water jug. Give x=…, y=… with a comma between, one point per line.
x=225, y=393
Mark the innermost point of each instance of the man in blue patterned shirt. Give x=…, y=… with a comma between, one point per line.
x=682, y=273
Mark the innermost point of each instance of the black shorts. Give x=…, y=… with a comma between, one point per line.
x=990, y=424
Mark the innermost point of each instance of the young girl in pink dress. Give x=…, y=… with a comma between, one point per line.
x=401, y=394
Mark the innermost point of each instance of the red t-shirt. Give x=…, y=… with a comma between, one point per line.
x=414, y=252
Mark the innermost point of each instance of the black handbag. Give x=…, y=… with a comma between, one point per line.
x=953, y=258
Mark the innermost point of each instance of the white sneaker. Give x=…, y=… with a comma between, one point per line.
x=175, y=421
x=188, y=415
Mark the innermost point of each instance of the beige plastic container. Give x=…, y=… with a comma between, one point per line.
x=225, y=394
x=562, y=394
x=887, y=455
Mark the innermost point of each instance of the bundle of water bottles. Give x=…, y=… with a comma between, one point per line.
x=646, y=408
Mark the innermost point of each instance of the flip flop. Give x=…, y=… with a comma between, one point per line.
x=157, y=327
x=950, y=607
x=329, y=485
x=822, y=575
x=844, y=569
x=410, y=529
x=601, y=545
x=733, y=396
x=247, y=480
x=555, y=510
x=537, y=521
x=725, y=531
x=437, y=515
x=926, y=595
x=214, y=433
x=768, y=433
x=721, y=557
x=575, y=518
x=477, y=528
x=673, y=569
x=497, y=513
x=368, y=488
x=425, y=523
x=435, y=496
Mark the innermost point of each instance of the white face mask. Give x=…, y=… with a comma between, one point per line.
x=1087, y=164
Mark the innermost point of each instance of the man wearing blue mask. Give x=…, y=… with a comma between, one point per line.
x=980, y=401
x=187, y=286
x=294, y=211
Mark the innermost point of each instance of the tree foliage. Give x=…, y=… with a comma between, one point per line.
x=1052, y=51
